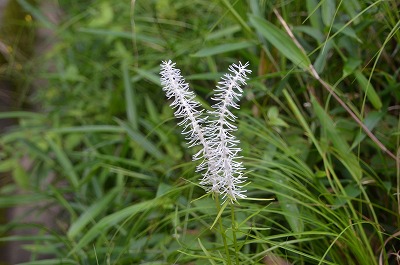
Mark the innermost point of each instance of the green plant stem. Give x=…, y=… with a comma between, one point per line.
x=221, y=231
x=234, y=232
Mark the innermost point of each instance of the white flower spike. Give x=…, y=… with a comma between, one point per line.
x=223, y=172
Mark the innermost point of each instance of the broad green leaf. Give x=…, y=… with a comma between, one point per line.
x=91, y=213
x=226, y=47
x=218, y=34
x=163, y=189
x=352, y=7
x=20, y=176
x=371, y=120
x=313, y=32
x=346, y=30
x=7, y=165
x=281, y=41
x=322, y=58
x=274, y=119
x=314, y=14
x=369, y=90
x=328, y=9
x=352, y=191
x=104, y=15
x=350, y=66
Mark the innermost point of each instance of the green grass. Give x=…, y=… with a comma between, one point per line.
x=105, y=151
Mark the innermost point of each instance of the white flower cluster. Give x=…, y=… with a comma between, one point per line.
x=223, y=172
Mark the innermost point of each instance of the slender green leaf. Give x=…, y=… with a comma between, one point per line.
x=130, y=97
x=110, y=221
x=65, y=163
x=371, y=120
x=208, y=255
x=36, y=13
x=21, y=199
x=91, y=213
x=281, y=41
x=314, y=14
x=50, y=262
x=333, y=135
x=223, y=48
x=288, y=206
x=89, y=129
x=141, y=140
x=148, y=75
x=21, y=114
x=369, y=90
x=328, y=9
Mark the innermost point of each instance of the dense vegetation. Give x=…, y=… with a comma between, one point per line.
x=318, y=126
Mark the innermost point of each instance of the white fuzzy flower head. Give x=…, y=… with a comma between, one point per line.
x=223, y=172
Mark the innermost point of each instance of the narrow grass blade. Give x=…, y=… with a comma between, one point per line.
x=21, y=199
x=210, y=259
x=371, y=120
x=63, y=201
x=36, y=13
x=50, y=262
x=148, y=75
x=130, y=97
x=219, y=214
x=20, y=115
x=236, y=15
x=65, y=163
x=332, y=134
x=314, y=14
x=288, y=206
x=281, y=41
x=368, y=90
x=110, y=221
x=223, y=48
x=141, y=140
x=90, y=214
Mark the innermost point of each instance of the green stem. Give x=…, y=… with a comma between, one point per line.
x=234, y=233
x=221, y=231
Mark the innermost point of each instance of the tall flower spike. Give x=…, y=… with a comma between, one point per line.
x=183, y=100
x=219, y=133
x=187, y=108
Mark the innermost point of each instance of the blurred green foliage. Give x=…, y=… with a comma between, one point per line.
x=105, y=151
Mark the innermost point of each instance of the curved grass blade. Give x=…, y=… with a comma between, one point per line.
x=281, y=41
x=223, y=48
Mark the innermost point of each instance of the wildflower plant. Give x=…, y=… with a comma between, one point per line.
x=222, y=172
